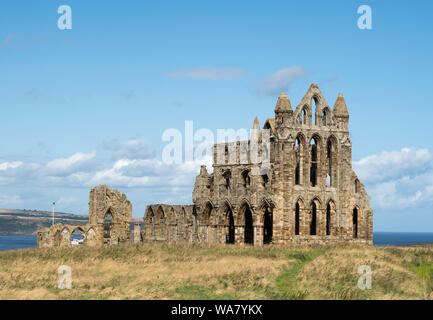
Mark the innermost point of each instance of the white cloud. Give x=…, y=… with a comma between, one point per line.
x=279, y=81
x=393, y=164
x=207, y=73
x=134, y=149
x=65, y=166
x=10, y=165
x=398, y=180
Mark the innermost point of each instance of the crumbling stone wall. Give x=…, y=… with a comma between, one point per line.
x=110, y=215
x=170, y=223
x=309, y=195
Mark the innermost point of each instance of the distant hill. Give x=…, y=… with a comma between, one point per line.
x=27, y=222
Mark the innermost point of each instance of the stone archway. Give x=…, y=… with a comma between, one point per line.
x=230, y=227
x=267, y=225
x=313, y=219
x=108, y=226
x=77, y=237
x=355, y=222
x=248, y=225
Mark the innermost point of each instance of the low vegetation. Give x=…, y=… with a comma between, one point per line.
x=164, y=271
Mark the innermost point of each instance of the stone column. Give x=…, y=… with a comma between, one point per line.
x=239, y=234
x=137, y=233
x=258, y=235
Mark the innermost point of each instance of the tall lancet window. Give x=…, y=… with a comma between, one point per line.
x=313, y=166
x=298, y=162
x=329, y=158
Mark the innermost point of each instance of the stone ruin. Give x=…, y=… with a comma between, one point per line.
x=309, y=195
x=110, y=215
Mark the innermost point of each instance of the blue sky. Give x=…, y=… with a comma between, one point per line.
x=76, y=102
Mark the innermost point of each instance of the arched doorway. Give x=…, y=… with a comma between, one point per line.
x=249, y=230
x=230, y=235
x=355, y=222
x=328, y=219
x=297, y=216
x=77, y=237
x=267, y=226
x=313, y=218
x=108, y=225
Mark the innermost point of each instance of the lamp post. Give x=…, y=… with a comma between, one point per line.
x=54, y=205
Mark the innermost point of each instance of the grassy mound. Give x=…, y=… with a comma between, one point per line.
x=165, y=271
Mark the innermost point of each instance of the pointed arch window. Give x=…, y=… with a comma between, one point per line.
x=298, y=162
x=355, y=222
x=227, y=176
x=314, y=105
x=304, y=116
x=356, y=186
x=313, y=220
x=246, y=178
x=297, y=214
x=328, y=219
x=313, y=165
x=325, y=117
x=329, y=158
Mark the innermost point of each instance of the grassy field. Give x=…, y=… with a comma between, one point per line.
x=162, y=271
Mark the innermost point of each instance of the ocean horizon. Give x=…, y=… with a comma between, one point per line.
x=379, y=239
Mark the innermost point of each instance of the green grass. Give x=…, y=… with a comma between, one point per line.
x=166, y=271
x=286, y=282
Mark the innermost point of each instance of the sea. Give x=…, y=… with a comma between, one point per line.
x=379, y=239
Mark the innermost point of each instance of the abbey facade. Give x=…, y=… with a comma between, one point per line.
x=310, y=194
x=307, y=194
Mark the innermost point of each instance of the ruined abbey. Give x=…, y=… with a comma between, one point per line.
x=309, y=194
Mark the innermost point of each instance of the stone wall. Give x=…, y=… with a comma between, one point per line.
x=309, y=195
x=110, y=215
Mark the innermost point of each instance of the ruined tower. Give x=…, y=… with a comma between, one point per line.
x=299, y=188
x=310, y=194
x=110, y=215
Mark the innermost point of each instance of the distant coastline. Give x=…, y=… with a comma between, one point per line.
x=26, y=222
x=380, y=239
x=21, y=222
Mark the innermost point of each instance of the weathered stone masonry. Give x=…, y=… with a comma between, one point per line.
x=309, y=195
x=110, y=215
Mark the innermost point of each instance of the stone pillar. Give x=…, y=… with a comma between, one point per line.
x=212, y=234
x=239, y=234
x=221, y=233
x=137, y=233
x=258, y=235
